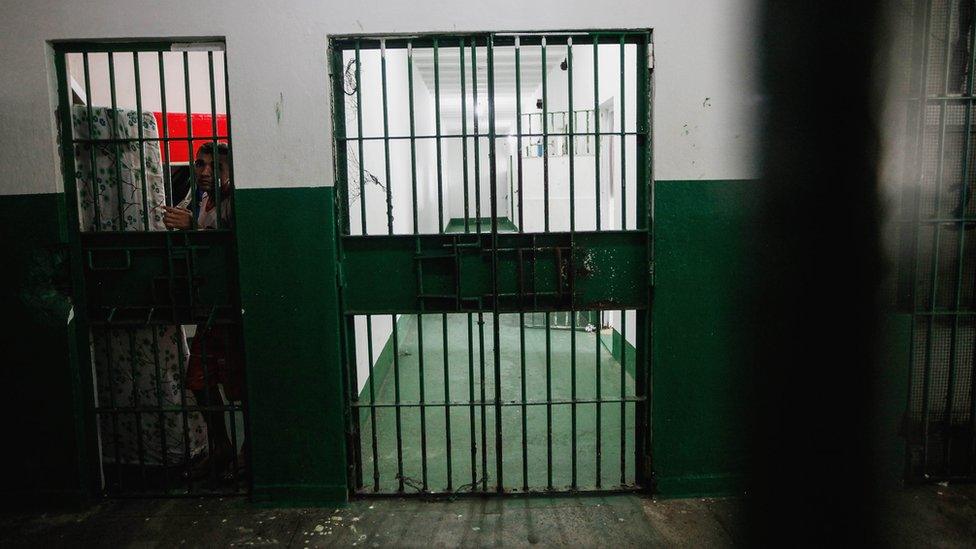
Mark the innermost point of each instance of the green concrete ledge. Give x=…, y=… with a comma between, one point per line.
x=709, y=485
x=299, y=495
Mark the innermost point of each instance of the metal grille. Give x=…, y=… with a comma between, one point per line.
x=460, y=253
x=938, y=216
x=145, y=127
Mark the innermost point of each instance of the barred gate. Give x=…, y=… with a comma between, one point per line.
x=157, y=310
x=937, y=218
x=450, y=288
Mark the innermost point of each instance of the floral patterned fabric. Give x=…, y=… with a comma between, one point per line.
x=139, y=367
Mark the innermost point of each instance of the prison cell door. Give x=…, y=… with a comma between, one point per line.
x=130, y=117
x=458, y=315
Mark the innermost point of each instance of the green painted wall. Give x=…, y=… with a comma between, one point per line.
x=286, y=247
x=45, y=452
x=704, y=234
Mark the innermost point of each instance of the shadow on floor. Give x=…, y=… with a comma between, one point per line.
x=926, y=515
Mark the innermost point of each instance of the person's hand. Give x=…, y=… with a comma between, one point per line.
x=177, y=218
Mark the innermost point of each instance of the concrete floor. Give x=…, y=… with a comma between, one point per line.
x=461, y=384
x=923, y=516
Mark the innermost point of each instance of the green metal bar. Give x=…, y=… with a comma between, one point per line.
x=416, y=229
x=194, y=202
x=96, y=191
x=493, y=176
x=525, y=430
x=484, y=419
x=181, y=360
x=623, y=395
x=423, y=410
x=230, y=145
x=213, y=132
x=474, y=445
x=167, y=178
x=548, y=403
x=359, y=126
x=644, y=221
x=596, y=157
x=623, y=140
x=142, y=148
x=518, y=138
x=464, y=136
x=572, y=229
x=599, y=327
x=477, y=152
x=447, y=398
x=545, y=148
x=372, y=402
x=115, y=131
x=386, y=151
x=440, y=179
x=413, y=141
x=396, y=397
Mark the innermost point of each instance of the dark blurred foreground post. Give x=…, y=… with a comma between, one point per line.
x=819, y=270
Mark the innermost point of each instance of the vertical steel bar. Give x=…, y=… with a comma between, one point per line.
x=167, y=178
x=213, y=136
x=372, y=401
x=359, y=143
x=396, y=399
x=96, y=190
x=493, y=194
x=548, y=400
x=545, y=150
x=413, y=141
x=464, y=137
x=571, y=143
x=644, y=221
x=386, y=148
x=416, y=230
x=142, y=143
x=440, y=179
x=518, y=138
x=194, y=202
x=623, y=138
x=623, y=396
x=115, y=135
x=471, y=406
x=447, y=400
x=477, y=137
x=484, y=418
x=596, y=155
x=525, y=431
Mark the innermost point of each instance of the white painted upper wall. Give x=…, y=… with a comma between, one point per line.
x=706, y=73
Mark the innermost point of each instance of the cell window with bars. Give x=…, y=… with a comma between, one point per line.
x=511, y=355
x=146, y=152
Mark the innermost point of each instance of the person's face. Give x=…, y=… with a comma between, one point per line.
x=204, y=169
